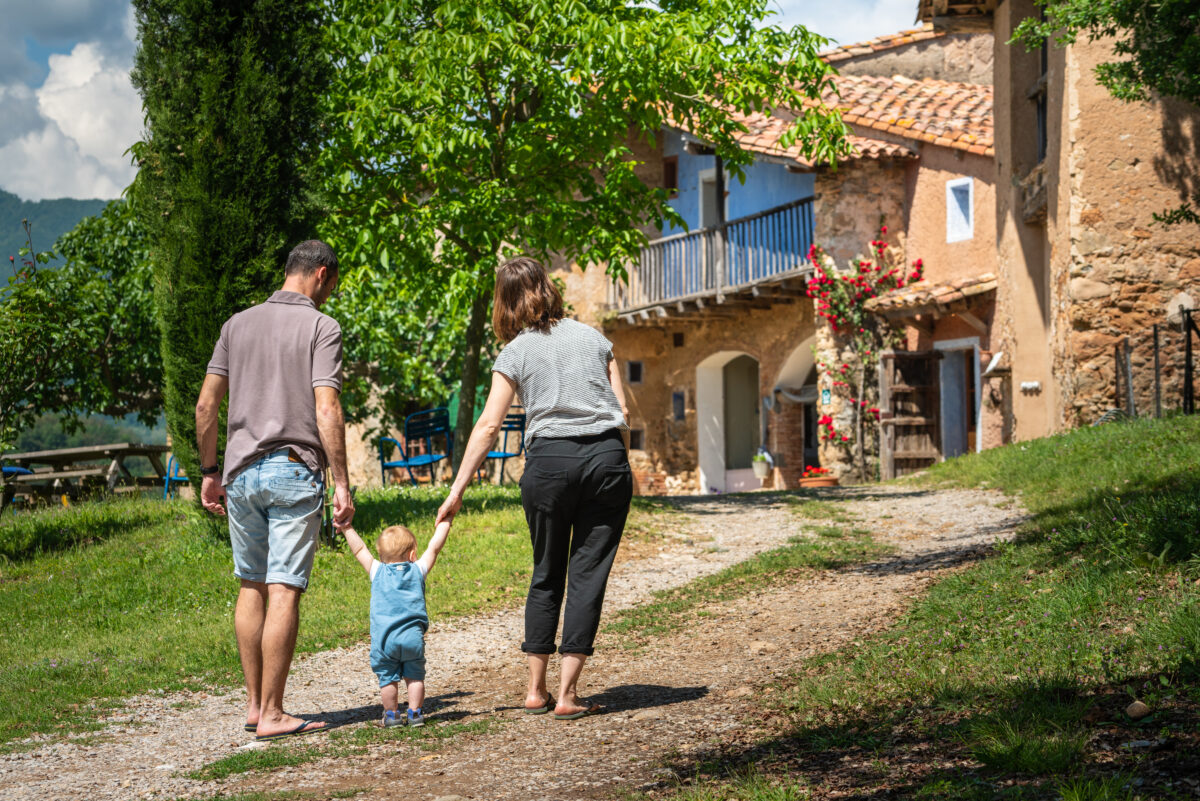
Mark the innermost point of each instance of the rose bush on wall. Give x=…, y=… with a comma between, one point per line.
x=840, y=298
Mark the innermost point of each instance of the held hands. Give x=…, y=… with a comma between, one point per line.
x=449, y=508
x=343, y=508
x=212, y=494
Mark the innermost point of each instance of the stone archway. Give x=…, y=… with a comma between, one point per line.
x=728, y=412
x=794, y=432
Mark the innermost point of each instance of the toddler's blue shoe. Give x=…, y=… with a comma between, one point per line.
x=391, y=719
x=416, y=718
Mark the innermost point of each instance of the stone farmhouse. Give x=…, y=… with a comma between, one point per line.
x=715, y=332
x=1081, y=271
x=1027, y=191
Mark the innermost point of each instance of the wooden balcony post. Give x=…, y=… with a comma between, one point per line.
x=720, y=227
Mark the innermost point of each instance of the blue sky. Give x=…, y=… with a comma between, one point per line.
x=68, y=113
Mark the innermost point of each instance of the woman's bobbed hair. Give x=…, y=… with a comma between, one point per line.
x=525, y=298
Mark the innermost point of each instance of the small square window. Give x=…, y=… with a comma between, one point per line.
x=677, y=338
x=633, y=372
x=679, y=405
x=637, y=439
x=960, y=211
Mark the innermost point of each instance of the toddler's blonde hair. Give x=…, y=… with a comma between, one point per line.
x=395, y=543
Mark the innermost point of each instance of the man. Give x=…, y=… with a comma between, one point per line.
x=281, y=362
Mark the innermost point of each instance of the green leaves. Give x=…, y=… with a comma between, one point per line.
x=1156, y=42
x=81, y=339
x=467, y=129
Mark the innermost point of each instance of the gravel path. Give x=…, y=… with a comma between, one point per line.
x=668, y=700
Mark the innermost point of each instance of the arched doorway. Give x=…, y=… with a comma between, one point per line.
x=797, y=388
x=728, y=409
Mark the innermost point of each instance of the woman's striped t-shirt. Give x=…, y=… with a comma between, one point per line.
x=562, y=379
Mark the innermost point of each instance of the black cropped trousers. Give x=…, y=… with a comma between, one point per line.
x=576, y=493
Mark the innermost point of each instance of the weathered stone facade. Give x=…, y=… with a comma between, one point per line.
x=670, y=452
x=1083, y=264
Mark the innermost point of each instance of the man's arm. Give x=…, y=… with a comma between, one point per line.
x=359, y=548
x=208, y=415
x=482, y=436
x=430, y=556
x=331, y=426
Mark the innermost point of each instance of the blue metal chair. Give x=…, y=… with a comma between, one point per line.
x=419, y=426
x=514, y=422
x=9, y=474
x=173, y=476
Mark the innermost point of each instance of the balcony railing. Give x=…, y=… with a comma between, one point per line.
x=712, y=261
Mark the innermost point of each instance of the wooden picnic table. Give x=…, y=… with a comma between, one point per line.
x=68, y=471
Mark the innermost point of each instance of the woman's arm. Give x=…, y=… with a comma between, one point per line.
x=358, y=548
x=614, y=378
x=484, y=434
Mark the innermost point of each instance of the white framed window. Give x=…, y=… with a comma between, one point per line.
x=960, y=209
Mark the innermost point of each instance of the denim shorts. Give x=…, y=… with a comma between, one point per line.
x=275, y=508
x=404, y=658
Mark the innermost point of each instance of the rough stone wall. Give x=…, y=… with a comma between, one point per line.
x=965, y=57
x=852, y=201
x=768, y=335
x=842, y=458
x=1122, y=271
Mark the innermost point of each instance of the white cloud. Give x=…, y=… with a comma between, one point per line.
x=93, y=104
x=46, y=164
x=90, y=116
x=849, y=21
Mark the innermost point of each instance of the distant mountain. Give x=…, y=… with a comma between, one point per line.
x=50, y=220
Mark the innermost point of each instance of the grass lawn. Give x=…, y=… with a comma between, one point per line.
x=1011, y=679
x=109, y=599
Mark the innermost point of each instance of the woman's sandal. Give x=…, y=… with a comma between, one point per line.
x=591, y=709
x=544, y=708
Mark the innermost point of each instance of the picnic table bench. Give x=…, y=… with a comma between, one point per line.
x=70, y=471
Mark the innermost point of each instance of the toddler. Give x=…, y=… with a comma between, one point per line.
x=398, y=616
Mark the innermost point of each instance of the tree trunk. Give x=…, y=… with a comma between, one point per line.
x=470, y=373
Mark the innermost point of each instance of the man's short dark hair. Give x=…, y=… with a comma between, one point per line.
x=308, y=256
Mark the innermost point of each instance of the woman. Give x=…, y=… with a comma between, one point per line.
x=577, y=484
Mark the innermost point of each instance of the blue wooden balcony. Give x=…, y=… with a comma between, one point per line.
x=686, y=273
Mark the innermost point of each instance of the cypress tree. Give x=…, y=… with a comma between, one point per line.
x=232, y=91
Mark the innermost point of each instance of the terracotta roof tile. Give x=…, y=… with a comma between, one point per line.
x=764, y=131
x=947, y=113
x=924, y=295
x=886, y=42
x=928, y=9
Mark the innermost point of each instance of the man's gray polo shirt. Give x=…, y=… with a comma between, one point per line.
x=274, y=354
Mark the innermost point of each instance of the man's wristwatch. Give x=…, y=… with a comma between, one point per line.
x=208, y=471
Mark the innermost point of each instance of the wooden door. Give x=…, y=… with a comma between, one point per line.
x=910, y=431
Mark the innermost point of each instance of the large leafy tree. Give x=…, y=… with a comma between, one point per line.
x=231, y=90
x=80, y=339
x=471, y=128
x=1156, y=49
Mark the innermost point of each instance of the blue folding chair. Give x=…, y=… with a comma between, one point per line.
x=514, y=422
x=419, y=426
x=174, y=476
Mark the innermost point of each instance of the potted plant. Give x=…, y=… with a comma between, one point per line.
x=818, y=477
x=762, y=467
